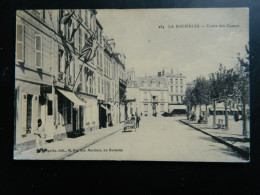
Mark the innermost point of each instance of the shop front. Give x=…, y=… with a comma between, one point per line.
x=104, y=115
x=33, y=102
x=70, y=115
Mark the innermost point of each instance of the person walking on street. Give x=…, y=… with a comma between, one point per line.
x=133, y=119
x=40, y=137
x=138, y=118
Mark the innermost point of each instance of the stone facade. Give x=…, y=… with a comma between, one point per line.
x=154, y=95
x=55, y=82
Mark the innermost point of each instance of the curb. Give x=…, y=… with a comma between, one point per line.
x=244, y=154
x=62, y=157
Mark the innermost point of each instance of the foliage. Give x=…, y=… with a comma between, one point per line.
x=201, y=91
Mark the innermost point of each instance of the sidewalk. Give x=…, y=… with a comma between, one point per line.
x=232, y=137
x=61, y=149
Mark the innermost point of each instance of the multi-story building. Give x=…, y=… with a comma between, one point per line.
x=66, y=74
x=154, y=95
x=176, y=88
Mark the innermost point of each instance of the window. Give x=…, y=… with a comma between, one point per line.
x=171, y=88
x=101, y=60
x=108, y=68
x=98, y=84
x=80, y=75
x=145, y=107
x=68, y=111
x=98, y=57
x=171, y=98
x=181, y=88
x=177, y=98
x=176, y=81
x=50, y=107
x=86, y=80
x=176, y=89
x=20, y=42
x=61, y=61
x=171, y=81
x=102, y=86
x=91, y=91
x=74, y=71
x=29, y=114
x=100, y=36
x=181, y=81
x=131, y=111
x=38, y=51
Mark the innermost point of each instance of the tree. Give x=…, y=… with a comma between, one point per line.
x=188, y=100
x=202, y=93
x=243, y=87
x=223, y=89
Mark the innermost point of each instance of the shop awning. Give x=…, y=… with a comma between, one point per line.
x=72, y=97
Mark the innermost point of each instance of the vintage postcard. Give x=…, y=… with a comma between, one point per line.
x=132, y=85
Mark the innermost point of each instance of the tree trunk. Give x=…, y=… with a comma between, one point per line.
x=206, y=114
x=244, y=116
x=226, y=116
x=214, y=114
x=188, y=112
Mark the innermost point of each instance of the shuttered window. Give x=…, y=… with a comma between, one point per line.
x=20, y=42
x=38, y=51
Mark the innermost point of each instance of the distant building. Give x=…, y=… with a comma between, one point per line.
x=155, y=95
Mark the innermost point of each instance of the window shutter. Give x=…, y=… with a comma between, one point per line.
x=20, y=42
x=24, y=113
x=35, y=106
x=63, y=61
x=38, y=51
x=56, y=117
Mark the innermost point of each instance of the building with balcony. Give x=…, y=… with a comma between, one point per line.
x=67, y=74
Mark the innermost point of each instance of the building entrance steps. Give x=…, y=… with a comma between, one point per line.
x=61, y=149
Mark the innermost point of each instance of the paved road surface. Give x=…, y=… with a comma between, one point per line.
x=159, y=139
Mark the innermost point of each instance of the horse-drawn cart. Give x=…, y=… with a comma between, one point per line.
x=129, y=125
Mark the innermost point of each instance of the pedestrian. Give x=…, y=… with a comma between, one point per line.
x=40, y=137
x=236, y=116
x=133, y=120
x=138, y=118
x=201, y=120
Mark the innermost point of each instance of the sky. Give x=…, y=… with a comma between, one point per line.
x=191, y=51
